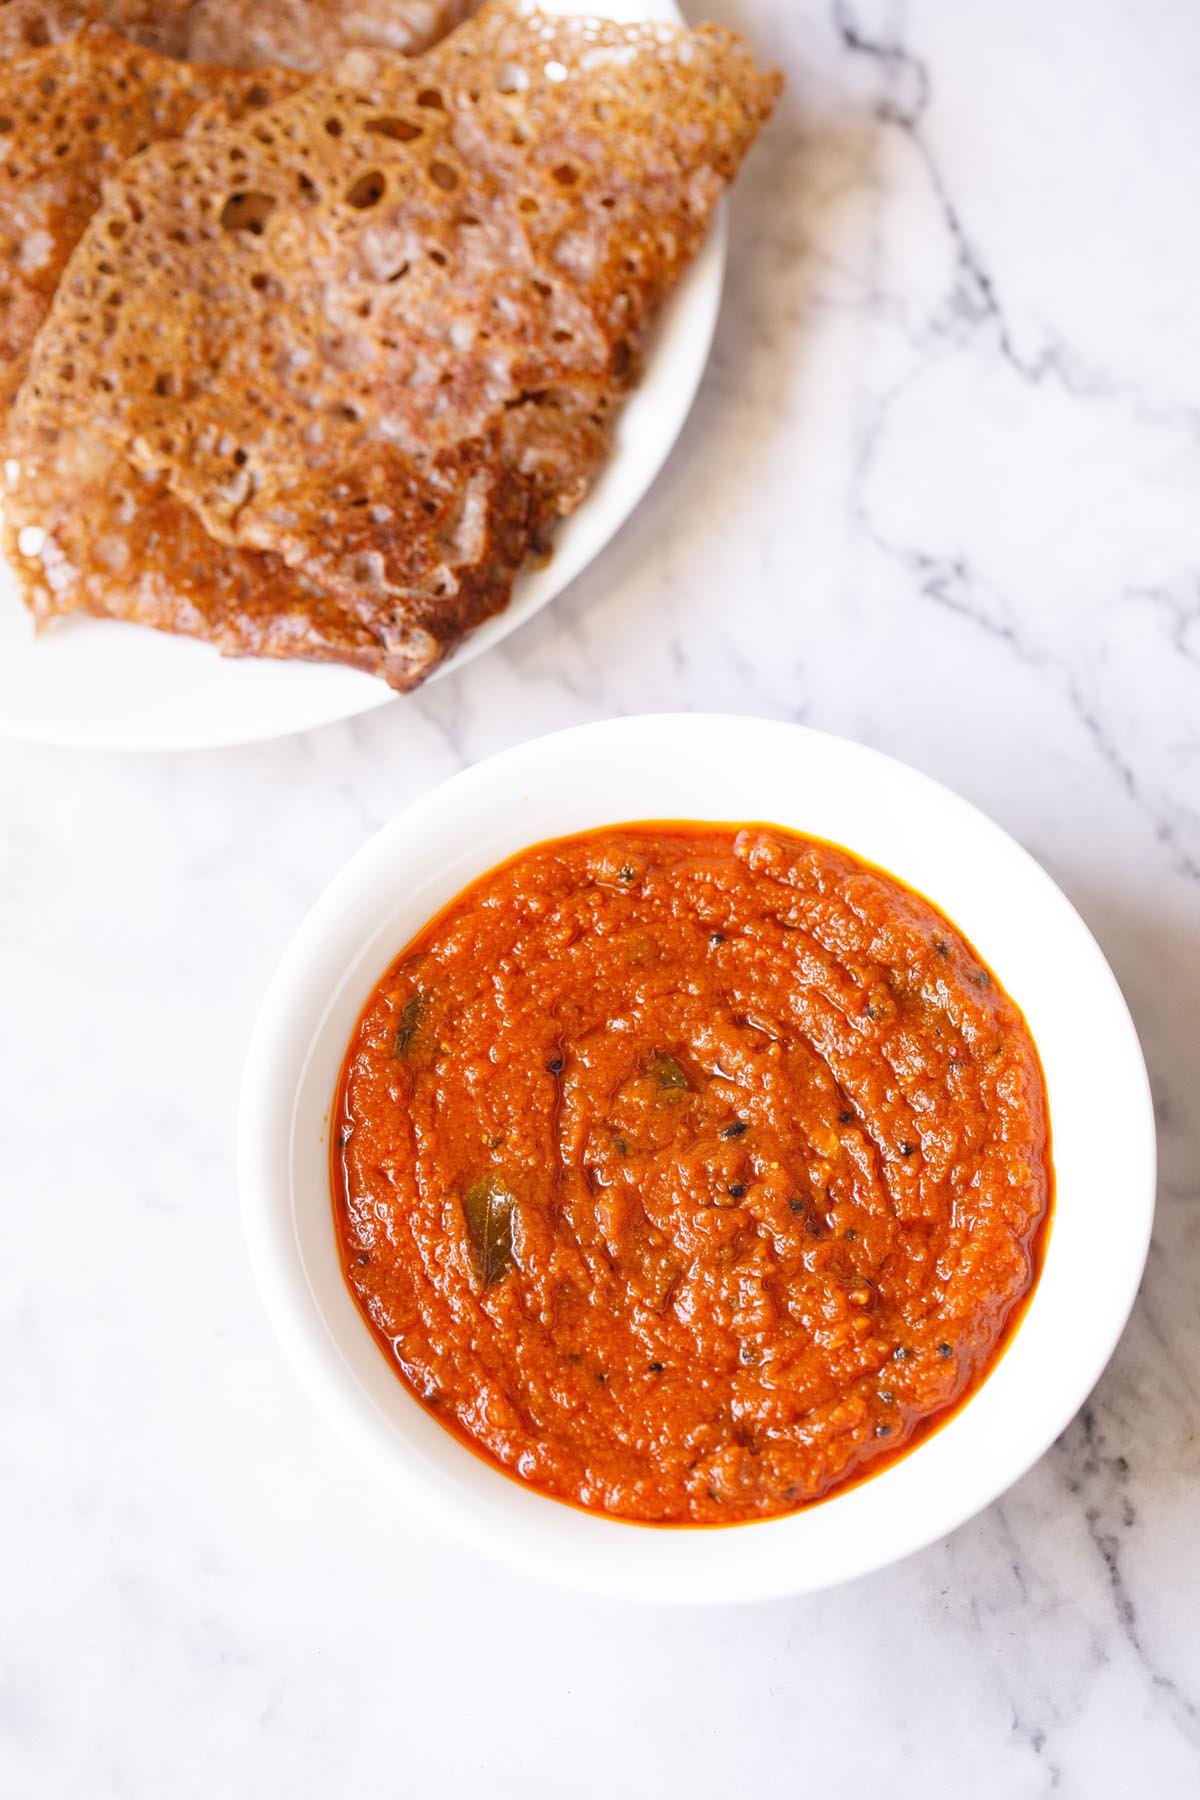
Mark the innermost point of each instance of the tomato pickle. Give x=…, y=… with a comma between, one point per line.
x=690, y=1172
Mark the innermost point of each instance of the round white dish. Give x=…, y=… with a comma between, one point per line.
x=102, y=685
x=685, y=766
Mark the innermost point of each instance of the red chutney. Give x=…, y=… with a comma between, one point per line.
x=690, y=1172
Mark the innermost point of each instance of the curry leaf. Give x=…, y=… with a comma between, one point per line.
x=488, y=1208
x=669, y=1074
x=412, y=1014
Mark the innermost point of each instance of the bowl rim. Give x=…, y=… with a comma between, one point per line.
x=605, y=1555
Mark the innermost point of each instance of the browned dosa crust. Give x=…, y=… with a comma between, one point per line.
x=70, y=115
x=247, y=34
x=379, y=334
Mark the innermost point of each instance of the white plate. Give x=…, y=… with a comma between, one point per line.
x=97, y=684
x=688, y=766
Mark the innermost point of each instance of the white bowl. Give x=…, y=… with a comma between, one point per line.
x=686, y=766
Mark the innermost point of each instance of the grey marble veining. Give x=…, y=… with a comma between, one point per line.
x=939, y=492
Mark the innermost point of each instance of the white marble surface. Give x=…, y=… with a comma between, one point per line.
x=941, y=492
